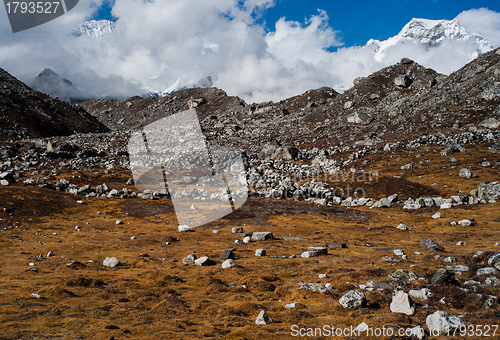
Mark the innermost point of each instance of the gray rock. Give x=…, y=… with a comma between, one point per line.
x=308, y=254
x=313, y=287
x=495, y=148
x=203, y=261
x=459, y=268
x=443, y=276
x=292, y=305
x=229, y=263
x=260, y=252
x=486, y=271
x=493, y=258
x=403, y=81
x=189, y=259
x=402, y=227
x=184, y=228
x=489, y=191
x=378, y=285
x=442, y=322
x=263, y=318
x=237, y=230
x=401, y=274
x=111, y=262
x=465, y=223
x=359, y=118
x=353, y=299
x=227, y=254
x=492, y=281
x=466, y=173
x=490, y=123
x=4, y=182
x=402, y=303
x=319, y=250
x=406, y=61
x=262, y=236
x=423, y=293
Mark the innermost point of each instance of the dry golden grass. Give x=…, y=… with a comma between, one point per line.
x=152, y=297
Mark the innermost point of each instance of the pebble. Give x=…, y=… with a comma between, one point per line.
x=203, y=261
x=263, y=318
x=292, y=305
x=237, y=230
x=247, y=240
x=119, y=222
x=260, y=252
x=436, y=215
x=322, y=276
x=111, y=262
x=229, y=263
x=402, y=227
x=215, y=231
x=189, y=259
x=184, y=228
x=50, y=254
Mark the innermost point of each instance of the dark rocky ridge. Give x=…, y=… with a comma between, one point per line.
x=25, y=113
x=397, y=104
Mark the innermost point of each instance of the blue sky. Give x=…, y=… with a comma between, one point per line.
x=357, y=21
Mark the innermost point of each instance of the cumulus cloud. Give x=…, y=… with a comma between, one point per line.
x=171, y=44
x=482, y=21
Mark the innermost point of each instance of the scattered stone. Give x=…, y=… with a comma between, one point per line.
x=50, y=254
x=465, y=223
x=486, y=271
x=184, y=228
x=229, y=263
x=402, y=227
x=262, y=236
x=111, y=262
x=260, y=252
x=237, y=230
x=203, y=261
x=189, y=259
x=292, y=305
x=308, y=254
x=458, y=268
x=490, y=123
x=461, y=244
x=119, y=222
x=247, y=239
x=377, y=285
x=294, y=239
x=313, y=287
x=36, y=296
x=436, y=215
x=492, y=281
x=402, y=81
x=495, y=148
x=401, y=274
x=319, y=250
x=215, y=231
x=398, y=252
x=322, y=276
x=227, y=254
x=493, y=258
x=423, y=293
x=443, y=276
x=353, y=299
x=467, y=174
x=263, y=318
x=402, y=303
x=336, y=245
x=442, y=322
x=450, y=259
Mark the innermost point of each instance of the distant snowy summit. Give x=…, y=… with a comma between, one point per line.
x=429, y=34
x=95, y=28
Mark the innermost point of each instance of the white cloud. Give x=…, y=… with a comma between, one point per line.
x=158, y=44
x=484, y=22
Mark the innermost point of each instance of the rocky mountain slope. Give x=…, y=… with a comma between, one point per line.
x=398, y=104
x=25, y=113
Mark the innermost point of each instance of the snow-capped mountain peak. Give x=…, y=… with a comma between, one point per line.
x=428, y=34
x=95, y=28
